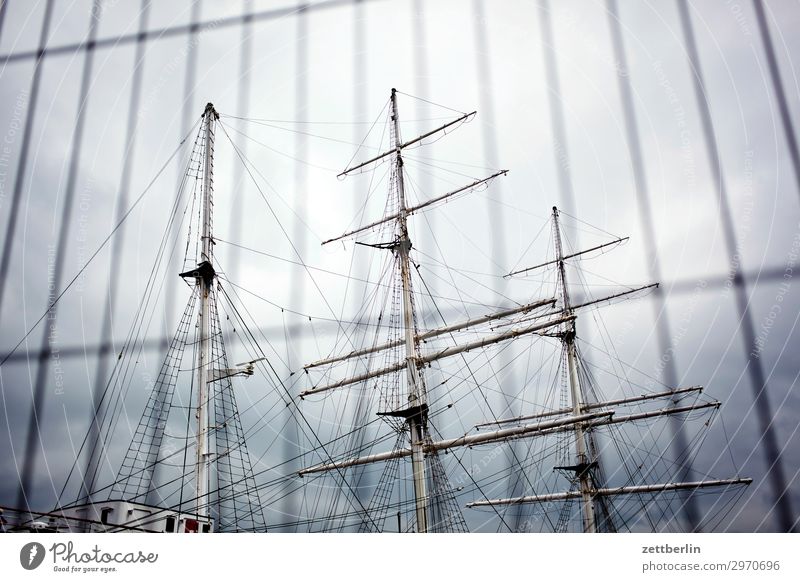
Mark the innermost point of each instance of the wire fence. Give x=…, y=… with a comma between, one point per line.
x=172, y=45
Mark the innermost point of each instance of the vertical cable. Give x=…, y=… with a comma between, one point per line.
x=663, y=333
x=361, y=478
x=300, y=236
x=780, y=94
x=242, y=109
x=768, y=440
x=560, y=148
x=421, y=88
x=3, y=6
x=34, y=420
x=420, y=76
x=489, y=128
x=22, y=163
x=188, y=114
x=497, y=228
x=105, y=347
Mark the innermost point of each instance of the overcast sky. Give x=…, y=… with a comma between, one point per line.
x=336, y=65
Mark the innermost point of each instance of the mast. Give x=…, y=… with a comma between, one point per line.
x=583, y=466
x=204, y=281
x=221, y=458
x=416, y=413
x=579, y=418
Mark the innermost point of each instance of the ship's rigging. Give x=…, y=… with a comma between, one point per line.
x=410, y=352
x=406, y=375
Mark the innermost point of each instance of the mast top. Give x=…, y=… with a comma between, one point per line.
x=210, y=110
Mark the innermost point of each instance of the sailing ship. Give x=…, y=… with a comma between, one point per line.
x=401, y=360
x=397, y=376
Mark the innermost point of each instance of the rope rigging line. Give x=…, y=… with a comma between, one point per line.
x=635, y=449
x=279, y=152
x=305, y=133
x=478, y=385
x=322, y=295
x=432, y=103
x=306, y=122
x=91, y=258
x=292, y=403
x=132, y=337
x=140, y=326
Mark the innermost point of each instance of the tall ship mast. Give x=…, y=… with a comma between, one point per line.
x=401, y=358
x=187, y=467
x=399, y=427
